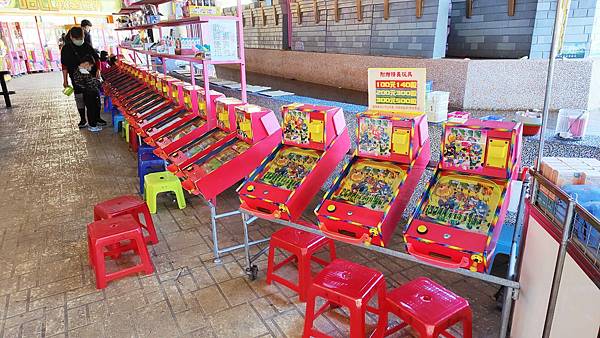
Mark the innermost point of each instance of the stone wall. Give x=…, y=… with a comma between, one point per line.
x=490, y=32
x=401, y=34
x=578, y=34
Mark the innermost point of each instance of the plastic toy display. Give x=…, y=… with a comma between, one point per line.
x=459, y=218
x=315, y=140
x=366, y=201
x=257, y=134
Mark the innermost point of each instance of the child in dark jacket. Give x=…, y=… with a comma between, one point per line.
x=87, y=81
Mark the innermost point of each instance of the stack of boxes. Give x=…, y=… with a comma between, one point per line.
x=436, y=106
x=563, y=170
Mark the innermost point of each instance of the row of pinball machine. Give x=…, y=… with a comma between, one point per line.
x=211, y=142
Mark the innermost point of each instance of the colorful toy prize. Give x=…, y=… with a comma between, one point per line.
x=257, y=134
x=459, y=218
x=315, y=140
x=366, y=201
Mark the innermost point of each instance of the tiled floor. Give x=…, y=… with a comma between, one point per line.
x=54, y=173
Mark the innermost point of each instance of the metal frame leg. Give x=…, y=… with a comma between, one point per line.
x=213, y=222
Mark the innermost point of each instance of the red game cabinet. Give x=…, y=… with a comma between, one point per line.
x=258, y=133
x=315, y=140
x=366, y=201
x=196, y=143
x=459, y=218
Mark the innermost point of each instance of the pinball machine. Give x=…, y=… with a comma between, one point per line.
x=367, y=200
x=315, y=140
x=257, y=133
x=204, y=120
x=192, y=145
x=459, y=218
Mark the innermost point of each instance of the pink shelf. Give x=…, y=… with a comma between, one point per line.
x=132, y=28
x=151, y=2
x=195, y=20
x=188, y=58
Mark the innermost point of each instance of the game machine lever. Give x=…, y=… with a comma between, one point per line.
x=257, y=134
x=366, y=201
x=459, y=218
x=315, y=140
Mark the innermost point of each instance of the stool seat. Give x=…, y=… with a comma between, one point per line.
x=113, y=226
x=348, y=279
x=428, y=308
x=299, y=239
x=161, y=179
x=116, y=205
x=427, y=300
x=344, y=283
x=131, y=205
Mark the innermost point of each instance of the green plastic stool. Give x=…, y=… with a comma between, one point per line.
x=159, y=182
x=125, y=131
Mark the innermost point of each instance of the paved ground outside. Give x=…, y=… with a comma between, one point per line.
x=53, y=173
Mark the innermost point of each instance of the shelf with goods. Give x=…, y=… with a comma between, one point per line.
x=196, y=20
x=150, y=2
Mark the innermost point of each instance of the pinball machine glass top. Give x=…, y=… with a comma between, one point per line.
x=467, y=202
x=489, y=148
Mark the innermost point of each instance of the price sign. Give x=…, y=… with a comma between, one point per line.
x=397, y=89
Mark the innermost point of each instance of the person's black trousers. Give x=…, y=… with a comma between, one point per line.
x=92, y=105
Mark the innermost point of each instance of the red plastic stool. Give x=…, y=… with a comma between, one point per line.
x=131, y=205
x=344, y=283
x=108, y=234
x=428, y=308
x=133, y=139
x=302, y=245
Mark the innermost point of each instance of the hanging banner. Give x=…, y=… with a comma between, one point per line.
x=397, y=89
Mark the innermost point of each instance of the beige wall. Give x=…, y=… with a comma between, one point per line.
x=473, y=84
x=577, y=312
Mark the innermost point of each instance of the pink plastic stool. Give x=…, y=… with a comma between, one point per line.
x=348, y=284
x=108, y=234
x=428, y=308
x=124, y=205
x=302, y=245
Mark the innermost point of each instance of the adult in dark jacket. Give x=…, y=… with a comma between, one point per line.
x=70, y=57
x=87, y=27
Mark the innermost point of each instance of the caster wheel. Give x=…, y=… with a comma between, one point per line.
x=252, y=272
x=499, y=297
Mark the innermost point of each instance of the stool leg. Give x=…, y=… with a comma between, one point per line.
x=331, y=250
x=180, y=197
x=309, y=316
x=357, y=322
x=149, y=225
x=468, y=324
x=382, y=320
x=270, y=264
x=150, y=199
x=304, y=277
x=100, y=267
x=90, y=251
x=144, y=255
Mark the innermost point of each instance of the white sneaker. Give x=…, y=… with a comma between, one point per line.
x=94, y=129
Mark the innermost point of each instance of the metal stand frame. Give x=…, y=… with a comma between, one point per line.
x=512, y=287
x=214, y=216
